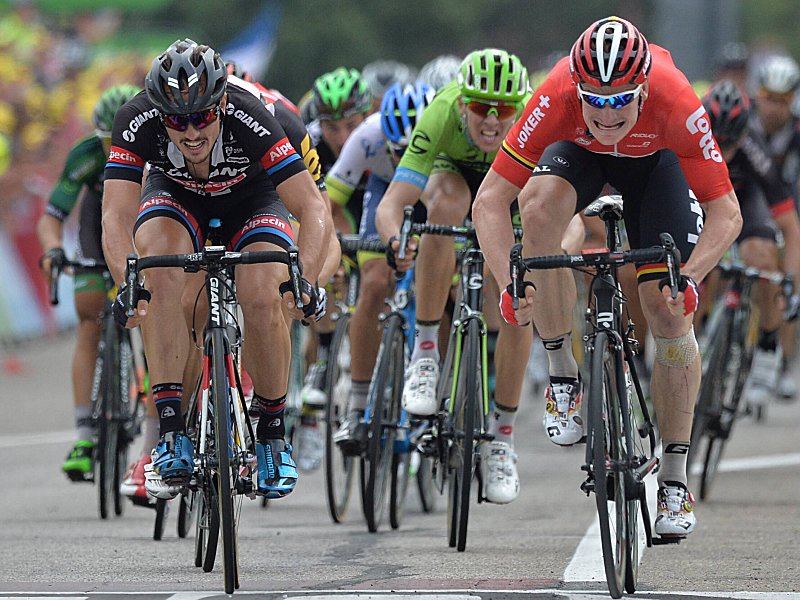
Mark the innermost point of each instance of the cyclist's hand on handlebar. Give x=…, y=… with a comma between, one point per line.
x=54, y=257
x=120, y=307
x=688, y=297
x=392, y=249
x=315, y=301
x=523, y=315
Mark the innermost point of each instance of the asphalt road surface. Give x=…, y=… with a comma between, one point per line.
x=52, y=543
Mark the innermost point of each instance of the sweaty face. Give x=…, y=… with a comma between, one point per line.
x=196, y=144
x=488, y=132
x=335, y=133
x=609, y=125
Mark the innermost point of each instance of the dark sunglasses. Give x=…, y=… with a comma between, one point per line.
x=502, y=110
x=199, y=120
x=612, y=100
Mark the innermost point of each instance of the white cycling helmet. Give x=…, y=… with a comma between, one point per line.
x=440, y=71
x=779, y=74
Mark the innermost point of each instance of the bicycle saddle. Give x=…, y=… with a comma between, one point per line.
x=606, y=207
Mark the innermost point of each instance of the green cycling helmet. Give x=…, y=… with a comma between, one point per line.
x=108, y=105
x=494, y=75
x=340, y=94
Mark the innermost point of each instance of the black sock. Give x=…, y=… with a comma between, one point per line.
x=270, y=423
x=167, y=398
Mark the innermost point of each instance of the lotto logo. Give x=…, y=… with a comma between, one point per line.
x=698, y=123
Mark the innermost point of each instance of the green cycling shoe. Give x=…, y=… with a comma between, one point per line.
x=79, y=465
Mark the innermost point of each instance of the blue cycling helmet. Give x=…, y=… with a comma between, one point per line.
x=401, y=108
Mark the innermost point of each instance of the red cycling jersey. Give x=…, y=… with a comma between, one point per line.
x=672, y=118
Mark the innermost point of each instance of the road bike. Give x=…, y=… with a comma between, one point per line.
x=620, y=437
x=118, y=390
x=727, y=345
x=222, y=433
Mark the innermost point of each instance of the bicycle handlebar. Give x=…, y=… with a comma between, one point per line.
x=352, y=244
x=211, y=256
x=738, y=269
x=57, y=267
x=667, y=252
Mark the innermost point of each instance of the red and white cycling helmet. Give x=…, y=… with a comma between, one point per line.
x=610, y=53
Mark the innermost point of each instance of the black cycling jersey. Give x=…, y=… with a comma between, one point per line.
x=752, y=163
x=253, y=147
x=784, y=148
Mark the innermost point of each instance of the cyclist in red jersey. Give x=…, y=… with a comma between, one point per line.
x=615, y=111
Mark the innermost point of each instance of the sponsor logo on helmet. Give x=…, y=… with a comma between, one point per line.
x=129, y=135
x=698, y=123
x=536, y=115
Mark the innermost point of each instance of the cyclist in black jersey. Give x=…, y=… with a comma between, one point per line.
x=767, y=207
x=215, y=150
x=82, y=179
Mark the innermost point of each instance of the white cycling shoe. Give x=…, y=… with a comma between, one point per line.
x=419, y=391
x=499, y=472
x=562, y=420
x=675, y=517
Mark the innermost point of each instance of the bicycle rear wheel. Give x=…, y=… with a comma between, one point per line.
x=207, y=524
x=467, y=414
x=220, y=387
x=383, y=407
x=128, y=417
x=339, y=468
x=401, y=464
x=605, y=453
x=425, y=484
x=162, y=508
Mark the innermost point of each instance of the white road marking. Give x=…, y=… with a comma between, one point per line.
x=448, y=594
x=587, y=561
x=17, y=440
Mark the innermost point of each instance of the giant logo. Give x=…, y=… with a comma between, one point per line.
x=129, y=135
x=698, y=123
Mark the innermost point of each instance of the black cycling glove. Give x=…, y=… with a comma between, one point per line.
x=120, y=307
x=313, y=306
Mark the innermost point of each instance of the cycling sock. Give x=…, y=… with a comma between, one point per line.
x=501, y=426
x=358, y=395
x=673, y=463
x=768, y=340
x=559, y=354
x=167, y=398
x=150, y=434
x=83, y=422
x=426, y=340
x=271, y=424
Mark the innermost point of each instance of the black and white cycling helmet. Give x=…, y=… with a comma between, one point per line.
x=184, y=64
x=380, y=74
x=440, y=71
x=779, y=74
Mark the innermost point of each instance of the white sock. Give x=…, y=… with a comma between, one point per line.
x=426, y=340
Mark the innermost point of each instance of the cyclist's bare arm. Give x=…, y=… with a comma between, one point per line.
x=49, y=230
x=333, y=253
x=120, y=208
x=389, y=216
x=721, y=227
x=304, y=201
x=789, y=224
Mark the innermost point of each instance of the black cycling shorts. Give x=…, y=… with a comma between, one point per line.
x=90, y=228
x=251, y=214
x=656, y=195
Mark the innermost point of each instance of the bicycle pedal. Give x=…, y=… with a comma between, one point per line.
x=665, y=540
x=80, y=477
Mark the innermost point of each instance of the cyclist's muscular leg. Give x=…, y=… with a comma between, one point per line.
x=365, y=333
x=88, y=305
x=762, y=254
x=447, y=198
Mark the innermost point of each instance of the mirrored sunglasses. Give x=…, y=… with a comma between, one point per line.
x=502, y=110
x=612, y=100
x=199, y=120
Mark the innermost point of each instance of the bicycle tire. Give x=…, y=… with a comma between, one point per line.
x=383, y=399
x=603, y=448
x=227, y=519
x=127, y=416
x=401, y=465
x=161, y=518
x=425, y=484
x=707, y=408
x=735, y=370
x=339, y=468
x=206, y=536
x=108, y=404
x=185, y=512
x=632, y=454
x=471, y=365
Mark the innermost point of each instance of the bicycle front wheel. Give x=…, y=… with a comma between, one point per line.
x=383, y=407
x=107, y=406
x=466, y=418
x=339, y=468
x=220, y=390
x=604, y=447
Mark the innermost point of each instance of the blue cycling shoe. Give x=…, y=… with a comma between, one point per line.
x=173, y=458
x=277, y=473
